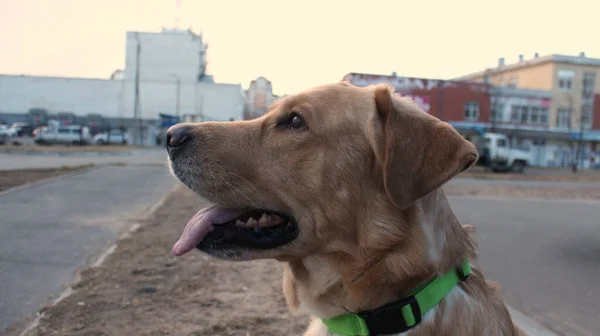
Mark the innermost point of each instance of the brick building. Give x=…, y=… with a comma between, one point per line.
x=456, y=101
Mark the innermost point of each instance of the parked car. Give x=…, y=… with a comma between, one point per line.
x=8, y=131
x=3, y=134
x=21, y=129
x=112, y=137
x=71, y=135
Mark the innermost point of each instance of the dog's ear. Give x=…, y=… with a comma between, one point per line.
x=417, y=152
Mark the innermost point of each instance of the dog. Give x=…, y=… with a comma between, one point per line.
x=343, y=185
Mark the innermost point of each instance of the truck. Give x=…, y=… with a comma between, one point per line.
x=495, y=153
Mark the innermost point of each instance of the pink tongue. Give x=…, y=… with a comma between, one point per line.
x=200, y=225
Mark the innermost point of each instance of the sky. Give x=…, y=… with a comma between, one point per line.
x=298, y=44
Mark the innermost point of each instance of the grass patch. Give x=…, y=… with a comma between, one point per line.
x=14, y=178
x=70, y=149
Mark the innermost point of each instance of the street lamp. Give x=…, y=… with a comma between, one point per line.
x=136, y=107
x=177, y=94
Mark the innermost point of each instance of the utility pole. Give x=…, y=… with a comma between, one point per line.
x=177, y=95
x=136, y=99
x=587, y=101
x=177, y=101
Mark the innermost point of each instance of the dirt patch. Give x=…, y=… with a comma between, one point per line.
x=70, y=149
x=14, y=178
x=141, y=289
x=522, y=192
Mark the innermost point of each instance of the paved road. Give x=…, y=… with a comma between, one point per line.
x=545, y=255
x=140, y=157
x=475, y=182
x=48, y=231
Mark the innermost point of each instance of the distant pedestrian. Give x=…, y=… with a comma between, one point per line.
x=487, y=162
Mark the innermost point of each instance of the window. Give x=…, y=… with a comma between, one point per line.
x=472, y=111
x=514, y=115
x=586, y=116
x=563, y=117
x=77, y=131
x=64, y=131
x=535, y=115
x=565, y=79
x=501, y=143
x=544, y=116
x=524, y=115
x=589, y=79
x=497, y=112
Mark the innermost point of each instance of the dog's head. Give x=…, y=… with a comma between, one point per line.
x=305, y=176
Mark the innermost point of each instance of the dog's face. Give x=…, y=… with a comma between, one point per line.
x=295, y=181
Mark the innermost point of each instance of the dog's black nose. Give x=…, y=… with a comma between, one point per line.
x=177, y=135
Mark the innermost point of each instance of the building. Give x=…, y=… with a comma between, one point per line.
x=259, y=98
x=570, y=79
x=475, y=107
x=452, y=101
x=170, y=55
x=171, y=67
x=567, y=123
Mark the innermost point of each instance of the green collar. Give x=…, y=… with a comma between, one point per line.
x=402, y=315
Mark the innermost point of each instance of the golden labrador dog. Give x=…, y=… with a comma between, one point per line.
x=342, y=184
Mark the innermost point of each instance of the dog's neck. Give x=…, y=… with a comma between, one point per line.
x=395, y=256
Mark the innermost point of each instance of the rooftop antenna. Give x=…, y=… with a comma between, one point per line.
x=177, y=13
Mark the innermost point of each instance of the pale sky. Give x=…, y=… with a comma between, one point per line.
x=298, y=44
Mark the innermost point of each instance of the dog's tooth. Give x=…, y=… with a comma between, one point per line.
x=239, y=223
x=263, y=219
x=251, y=222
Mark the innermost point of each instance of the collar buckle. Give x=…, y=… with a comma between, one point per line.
x=390, y=319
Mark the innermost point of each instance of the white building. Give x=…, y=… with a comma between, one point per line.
x=173, y=80
x=259, y=98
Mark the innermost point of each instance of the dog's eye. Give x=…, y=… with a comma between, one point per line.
x=293, y=121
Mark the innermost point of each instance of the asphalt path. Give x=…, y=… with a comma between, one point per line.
x=480, y=183
x=544, y=253
x=49, y=231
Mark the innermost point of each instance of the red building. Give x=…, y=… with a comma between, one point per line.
x=446, y=99
x=596, y=114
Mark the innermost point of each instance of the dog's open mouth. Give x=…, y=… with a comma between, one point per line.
x=254, y=229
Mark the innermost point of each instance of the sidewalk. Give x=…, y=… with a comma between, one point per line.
x=48, y=231
x=529, y=326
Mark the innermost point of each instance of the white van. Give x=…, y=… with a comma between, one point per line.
x=65, y=135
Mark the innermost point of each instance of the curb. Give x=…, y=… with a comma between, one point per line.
x=95, y=261
x=528, y=325
x=524, y=199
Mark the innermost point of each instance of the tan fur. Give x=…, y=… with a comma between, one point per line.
x=363, y=181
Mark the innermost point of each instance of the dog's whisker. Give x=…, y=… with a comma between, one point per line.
x=238, y=191
x=245, y=180
x=213, y=177
x=260, y=197
x=236, y=198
